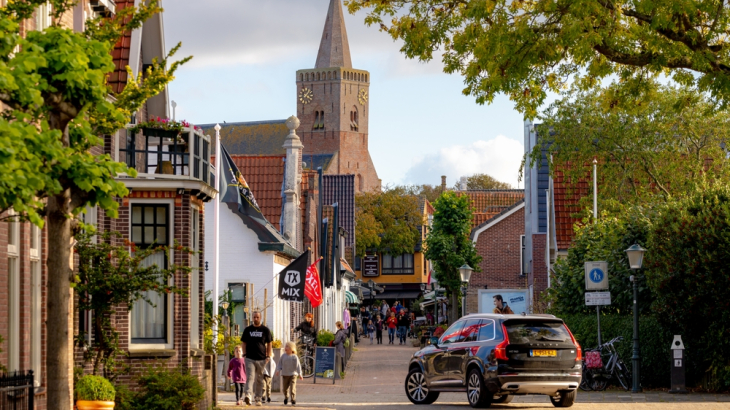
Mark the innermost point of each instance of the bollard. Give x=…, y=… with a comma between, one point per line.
x=678, y=364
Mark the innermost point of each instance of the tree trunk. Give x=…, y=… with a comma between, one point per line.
x=455, y=312
x=59, y=353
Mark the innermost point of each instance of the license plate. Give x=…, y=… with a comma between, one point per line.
x=544, y=353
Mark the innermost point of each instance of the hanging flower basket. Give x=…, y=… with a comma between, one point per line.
x=157, y=132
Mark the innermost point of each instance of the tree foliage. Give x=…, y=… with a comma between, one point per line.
x=526, y=49
x=667, y=141
x=482, y=181
x=387, y=221
x=448, y=245
x=113, y=275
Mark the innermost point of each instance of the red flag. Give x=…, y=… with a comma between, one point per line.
x=312, y=286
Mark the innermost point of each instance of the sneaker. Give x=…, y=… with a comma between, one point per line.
x=293, y=403
x=238, y=403
x=268, y=399
x=286, y=401
x=258, y=403
x=248, y=401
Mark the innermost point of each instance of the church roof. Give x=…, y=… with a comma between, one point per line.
x=334, y=49
x=314, y=161
x=252, y=138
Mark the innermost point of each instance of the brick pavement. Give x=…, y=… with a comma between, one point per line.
x=376, y=373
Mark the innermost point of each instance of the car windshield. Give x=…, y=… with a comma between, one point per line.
x=534, y=331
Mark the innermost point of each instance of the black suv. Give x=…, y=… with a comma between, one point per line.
x=494, y=357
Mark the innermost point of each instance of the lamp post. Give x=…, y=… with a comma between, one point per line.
x=465, y=273
x=371, y=286
x=224, y=305
x=635, y=254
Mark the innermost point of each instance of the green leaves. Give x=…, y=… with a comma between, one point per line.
x=387, y=221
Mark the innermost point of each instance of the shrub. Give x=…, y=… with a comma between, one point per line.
x=124, y=399
x=94, y=388
x=169, y=389
x=324, y=337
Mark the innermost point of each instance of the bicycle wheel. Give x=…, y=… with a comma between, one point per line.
x=585, y=381
x=599, y=384
x=621, y=372
x=307, y=366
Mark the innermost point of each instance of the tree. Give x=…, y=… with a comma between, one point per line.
x=482, y=181
x=663, y=142
x=526, y=49
x=53, y=84
x=448, y=245
x=387, y=221
x=113, y=275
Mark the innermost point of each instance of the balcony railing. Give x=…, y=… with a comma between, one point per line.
x=176, y=156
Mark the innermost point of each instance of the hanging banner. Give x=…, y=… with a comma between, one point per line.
x=312, y=286
x=291, y=279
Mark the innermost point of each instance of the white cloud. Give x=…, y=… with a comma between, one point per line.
x=499, y=157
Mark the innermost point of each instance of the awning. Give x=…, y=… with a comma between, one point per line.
x=351, y=298
x=399, y=294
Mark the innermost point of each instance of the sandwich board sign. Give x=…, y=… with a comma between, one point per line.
x=596, y=275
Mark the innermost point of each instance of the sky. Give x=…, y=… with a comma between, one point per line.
x=246, y=54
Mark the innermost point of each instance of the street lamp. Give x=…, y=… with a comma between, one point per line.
x=224, y=305
x=423, y=287
x=635, y=254
x=465, y=273
x=371, y=285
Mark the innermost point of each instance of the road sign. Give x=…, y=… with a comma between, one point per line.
x=596, y=275
x=598, y=298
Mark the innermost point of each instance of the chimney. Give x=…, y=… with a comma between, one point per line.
x=292, y=183
x=443, y=183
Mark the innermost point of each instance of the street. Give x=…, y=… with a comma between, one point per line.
x=376, y=373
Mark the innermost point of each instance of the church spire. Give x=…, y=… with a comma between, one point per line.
x=334, y=50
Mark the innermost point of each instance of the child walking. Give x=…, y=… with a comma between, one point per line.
x=269, y=370
x=290, y=369
x=237, y=373
x=379, y=330
x=371, y=331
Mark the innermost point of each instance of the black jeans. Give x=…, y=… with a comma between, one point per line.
x=379, y=336
x=240, y=390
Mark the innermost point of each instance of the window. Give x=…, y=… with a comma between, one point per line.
x=531, y=332
x=13, y=335
x=486, y=330
x=471, y=330
x=452, y=334
x=36, y=302
x=353, y=120
x=523, y=267
x=318, y=120
x=195, y=279
x=150, y=226
x=238, y=300
x=43, y=18
x=398, y=265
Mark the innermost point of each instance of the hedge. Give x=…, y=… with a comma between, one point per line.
x=655, y=343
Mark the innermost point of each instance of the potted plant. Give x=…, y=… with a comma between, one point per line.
x=159, y=127
x=94, y=393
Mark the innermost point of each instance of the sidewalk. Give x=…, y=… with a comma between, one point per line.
x=376, y=373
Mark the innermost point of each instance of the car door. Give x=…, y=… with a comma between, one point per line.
x=438, y=360
x=461, y=349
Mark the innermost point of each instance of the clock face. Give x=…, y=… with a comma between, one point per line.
x=305, y=95
x=362, y=96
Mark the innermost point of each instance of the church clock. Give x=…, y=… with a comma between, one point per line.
x=305, y=95
x=362, y=96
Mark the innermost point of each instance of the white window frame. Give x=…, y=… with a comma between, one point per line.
x=522, y=255
x=13, y=294
x=195, y=298
x=43, y=18
x=170, y=300
x=36, y=304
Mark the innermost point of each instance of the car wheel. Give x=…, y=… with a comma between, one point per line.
x=503, y=399
x=417, y=389
x=566, y=398
x=476, y=390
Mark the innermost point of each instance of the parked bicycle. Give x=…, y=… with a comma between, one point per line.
x=305, y=348
x=596, y=375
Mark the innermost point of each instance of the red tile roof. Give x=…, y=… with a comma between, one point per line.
x=567, y=200
x=118, y=78
x=490, y=202
x=265, y=176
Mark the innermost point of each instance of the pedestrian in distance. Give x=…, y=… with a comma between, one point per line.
x=237, y=373
x=256, y=343
x=392, y=323
x=379, y=324
x=307, y=326
x=339, y=342
x=269, y=370
x=371, y=331
x=385, y=309
x=403, y=324
x=290, y=368
x=365, y=318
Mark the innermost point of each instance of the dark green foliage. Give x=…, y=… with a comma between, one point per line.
x=168, y=389
x=124, y=400
x=324, y=337
x=387, y=221
x=94, y=388
x=688, y=271
x=606, y=240
x=655, y=343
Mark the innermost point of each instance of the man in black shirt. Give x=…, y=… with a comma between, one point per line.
x=256, y=343
x=404, y=322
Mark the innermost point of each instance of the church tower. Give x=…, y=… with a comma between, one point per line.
x=333, y=106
